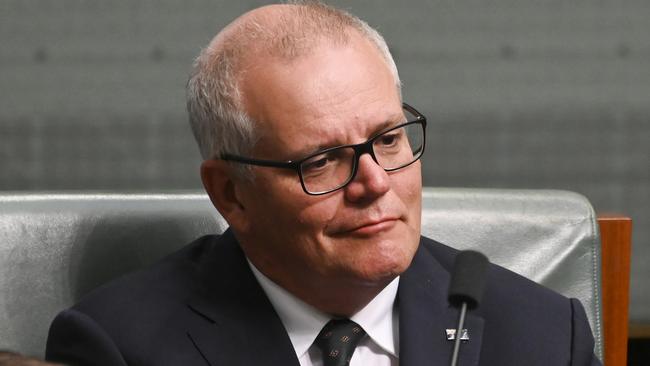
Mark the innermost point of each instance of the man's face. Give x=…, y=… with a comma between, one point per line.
x=362, y=235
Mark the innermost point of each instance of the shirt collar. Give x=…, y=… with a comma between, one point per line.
x=380, y=319
x=303, y=322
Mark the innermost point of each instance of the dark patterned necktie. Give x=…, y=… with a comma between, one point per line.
x=337, y=341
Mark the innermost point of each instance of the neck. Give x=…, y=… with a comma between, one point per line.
x=344, y=303
x=337, y=297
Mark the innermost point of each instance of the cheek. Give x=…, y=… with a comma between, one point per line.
x=409, y=189
x=415, y=199
x=315, y=216
x=288, y=207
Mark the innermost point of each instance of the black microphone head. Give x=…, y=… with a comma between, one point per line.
x=468, y=278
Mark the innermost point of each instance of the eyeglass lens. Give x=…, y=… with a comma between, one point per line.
x=393, y=149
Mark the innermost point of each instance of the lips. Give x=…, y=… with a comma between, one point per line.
x=368, y=227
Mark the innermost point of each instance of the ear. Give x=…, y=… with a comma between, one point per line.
x=224, y=190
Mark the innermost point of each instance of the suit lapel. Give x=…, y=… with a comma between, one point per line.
x=239, y=325
x=425, y=315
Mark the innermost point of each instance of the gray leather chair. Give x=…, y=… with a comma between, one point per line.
x=55, y=247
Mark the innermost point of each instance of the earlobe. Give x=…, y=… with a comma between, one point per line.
x=222, y=188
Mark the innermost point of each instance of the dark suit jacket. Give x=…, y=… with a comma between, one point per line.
x=203, y=306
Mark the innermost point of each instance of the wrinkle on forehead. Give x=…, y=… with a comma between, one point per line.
x=325, y=131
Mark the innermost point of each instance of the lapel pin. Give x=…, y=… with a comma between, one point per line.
x=451, y=335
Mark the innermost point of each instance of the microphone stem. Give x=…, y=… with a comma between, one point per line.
x=459, y=329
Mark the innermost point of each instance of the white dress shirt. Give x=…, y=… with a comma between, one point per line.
x=303, y=323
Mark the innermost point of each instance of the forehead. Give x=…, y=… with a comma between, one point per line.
x=337, y=94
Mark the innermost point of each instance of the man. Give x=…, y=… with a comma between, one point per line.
x=313, y=161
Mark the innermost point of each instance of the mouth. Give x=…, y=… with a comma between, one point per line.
x=371, y=227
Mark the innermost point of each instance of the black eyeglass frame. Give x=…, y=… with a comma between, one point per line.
x=359, y=150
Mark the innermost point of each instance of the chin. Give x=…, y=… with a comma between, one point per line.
x=378, y=277
x=381, y=267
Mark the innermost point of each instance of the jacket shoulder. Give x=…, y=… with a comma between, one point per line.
x=171, y=274
x=123, y=321
x=525, y=321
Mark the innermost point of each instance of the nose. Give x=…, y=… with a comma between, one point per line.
x=370, y=182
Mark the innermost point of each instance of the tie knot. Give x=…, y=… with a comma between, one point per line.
x=337, y=341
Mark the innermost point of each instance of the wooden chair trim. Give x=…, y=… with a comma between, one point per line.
x=616, y=241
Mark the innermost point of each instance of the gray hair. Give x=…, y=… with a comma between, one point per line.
x=217, y=116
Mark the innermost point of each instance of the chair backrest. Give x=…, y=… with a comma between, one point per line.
x=56, y=247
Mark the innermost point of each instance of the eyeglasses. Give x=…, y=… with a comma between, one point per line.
x=328, y=170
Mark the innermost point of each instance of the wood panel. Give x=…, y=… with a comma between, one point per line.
x=616, y=238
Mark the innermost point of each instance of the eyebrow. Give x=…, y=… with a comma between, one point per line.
x=387, y=125
x=394, y=120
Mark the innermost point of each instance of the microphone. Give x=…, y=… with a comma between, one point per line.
x=466, y=289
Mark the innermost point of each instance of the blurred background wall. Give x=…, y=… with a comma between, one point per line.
x=520, y=94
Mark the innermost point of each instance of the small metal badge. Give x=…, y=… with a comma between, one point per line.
x=451, y=335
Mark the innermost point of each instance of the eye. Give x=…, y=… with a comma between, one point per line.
x=390, y=139
x=316, y=164
x=336, y=161
x=320, y=163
